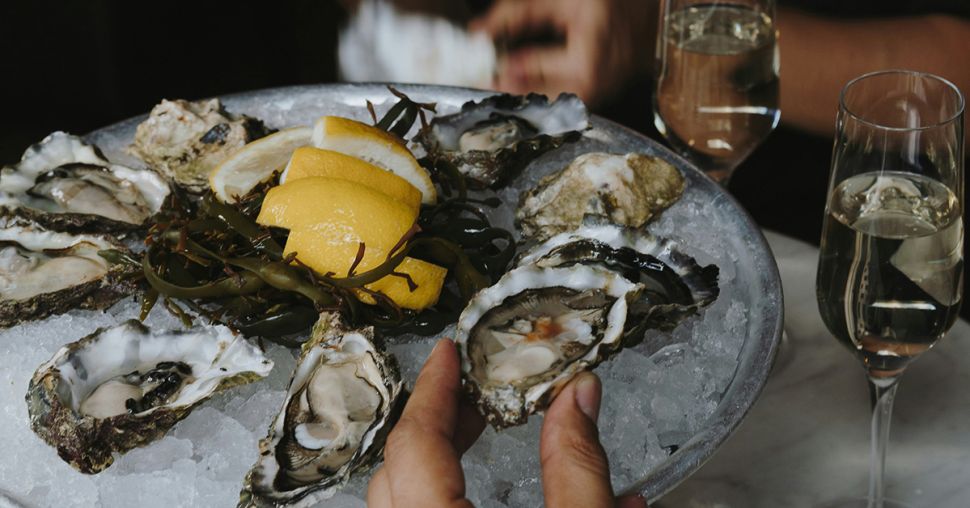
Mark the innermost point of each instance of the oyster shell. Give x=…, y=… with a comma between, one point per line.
x=493, y=140
x=66, y=184
x=522, y=339
x=124, y=387
x=185, y=140
x=675, y=285
x=45, y=272
x=628, y=189
x=342, y=402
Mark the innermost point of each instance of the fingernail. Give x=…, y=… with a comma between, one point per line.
x=588, y=395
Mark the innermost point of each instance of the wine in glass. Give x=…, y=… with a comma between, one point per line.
x=890, y=271
x=716, y=95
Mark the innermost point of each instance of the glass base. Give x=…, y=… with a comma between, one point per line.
x=861, y=502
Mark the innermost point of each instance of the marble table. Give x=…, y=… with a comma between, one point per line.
x=806, y=441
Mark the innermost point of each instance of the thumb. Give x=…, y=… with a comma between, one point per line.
x=575, y=471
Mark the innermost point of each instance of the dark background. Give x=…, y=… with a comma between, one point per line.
x=78, y=66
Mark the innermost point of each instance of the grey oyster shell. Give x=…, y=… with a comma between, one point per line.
x=570, y=303
x=675, y=285
x=126, y=386
x=522, y=339
x=342, y=402
x=66, y=184
x=493, y=140
x=628, y=189
x=46, y=272
x=184, y=140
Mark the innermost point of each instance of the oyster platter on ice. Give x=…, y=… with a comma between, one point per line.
x=225, y=302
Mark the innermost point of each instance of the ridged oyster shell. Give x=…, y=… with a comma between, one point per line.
x=46, y=272
x=343, y=400
x=493, y=140
x=126, y=386
x=66, y=184
x=570, y=303
x=184, y=141
x=628, y=189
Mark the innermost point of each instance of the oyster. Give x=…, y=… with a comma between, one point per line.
x=570, y=303
x=628, y=189
x=493, y=140
x=185, y=140
x=66, y=184
x=45, y=272
x=675, y=285
x=522, y=339
x=342, y=402
x=124, y=387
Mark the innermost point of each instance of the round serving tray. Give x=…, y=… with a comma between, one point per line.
x=725, y=354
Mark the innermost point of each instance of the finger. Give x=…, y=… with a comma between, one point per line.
x=379, y=490
x=629, y=502
x=575, y=471
x=423, y=467
x=511, y=19
x=470, y=426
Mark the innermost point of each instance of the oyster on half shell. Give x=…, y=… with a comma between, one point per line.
x=45, y=272
x=569, y=304
x=491, y=141
x=343, y=400
x=522, y=339
x=125, y=386
x=185, y=140
x=66, y=184
x=628, y=189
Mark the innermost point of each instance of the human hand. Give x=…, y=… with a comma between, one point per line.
x=422, y=458
x=606, y=43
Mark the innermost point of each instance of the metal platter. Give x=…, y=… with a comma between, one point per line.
x=708, y=223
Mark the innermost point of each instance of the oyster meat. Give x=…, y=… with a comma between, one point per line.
x=569, y=304
x=45, y=272
x=627, y=189
x=185, y=140
x=342, y=402
x=525, y=337
x=124, y=387
x=493, y=140
x=66, y=184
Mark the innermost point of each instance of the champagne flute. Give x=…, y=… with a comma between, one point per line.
x=716, y=95
x=890, y=270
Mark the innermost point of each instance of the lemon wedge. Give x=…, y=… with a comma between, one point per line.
x=329, y=255
x=255, y=162
x=338, y=210
x=375, y=146
x=309, y=162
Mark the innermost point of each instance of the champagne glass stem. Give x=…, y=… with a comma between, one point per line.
x=882, y=392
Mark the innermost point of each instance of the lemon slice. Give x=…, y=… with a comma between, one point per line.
x=375, y=146
x=336, y=255
x=308, y=161
x=255, y=162
x=339, y=210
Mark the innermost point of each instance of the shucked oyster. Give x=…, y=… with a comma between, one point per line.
x=124, y=387
x=493, y=140
x=524, y=338
x=44, y=272
x=342, y=402
x=628, y=189
x=185, y=140
x=571, y=302
x=67, y=184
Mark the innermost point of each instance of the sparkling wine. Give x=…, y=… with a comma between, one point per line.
x=717, y=89
x=890, y=274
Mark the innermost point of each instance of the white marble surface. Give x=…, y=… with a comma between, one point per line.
x=806, y=441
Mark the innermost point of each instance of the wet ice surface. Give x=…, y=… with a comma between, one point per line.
x=656, y=395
